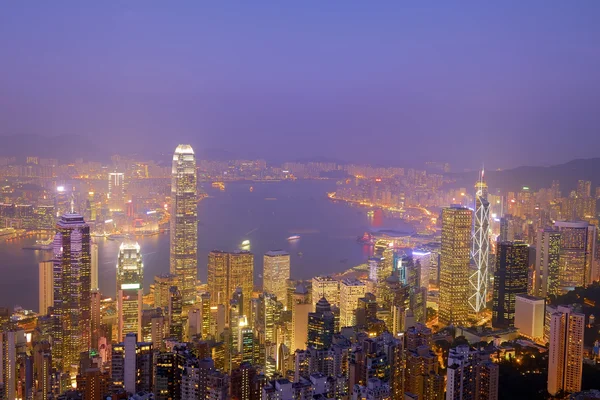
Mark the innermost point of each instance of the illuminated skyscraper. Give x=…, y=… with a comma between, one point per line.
x=479, y=278
x=350, y=291
x=276, y=270
x=547, y=256
x=46, y=286
x=94, y=265
x=72, y=287
x=184, y=222
x=162, y=284
x=577, y=250
x=326, y=286
x=510, y=280
x=116, y=191
x=321, y=325
x=454, y=265
x=301, y=306
x=130, y=280
x=227, y=272
x=565, y=352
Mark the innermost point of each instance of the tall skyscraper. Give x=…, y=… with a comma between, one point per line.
x=46, y=286
x=227, y=272
x=184, y=222
x=72, y=290
x=529, y=316
x=454, y=265
x=321, y=325
x=510, y=280
x=301, y=306
x=565, y=354
x=276, y=270
x=130, y=280
x=479, y=278
x=545, y=281
x=116, y=191
x=94, y=265
x=350, y=291
x=577, y=251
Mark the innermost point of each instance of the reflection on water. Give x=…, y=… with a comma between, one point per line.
x=327, y=233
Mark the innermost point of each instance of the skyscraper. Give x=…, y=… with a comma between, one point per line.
x=510, y=280
x=577, y=251
x=276, y=270
x=547, y=256
x=130, y=280
x=72, y=287
x=565, y=354
x=184, y=222
x=116, y=191
x=326, y=286
x=321, y=325
x=454, y=265
x=46, y=286
x=350, y=291
x=479, y=278
x=227, y=272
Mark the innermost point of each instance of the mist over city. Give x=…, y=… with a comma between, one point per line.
x=313, y=200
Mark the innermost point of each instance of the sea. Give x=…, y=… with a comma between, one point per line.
x=265, y=213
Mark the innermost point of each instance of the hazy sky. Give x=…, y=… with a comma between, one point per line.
x=501, y=82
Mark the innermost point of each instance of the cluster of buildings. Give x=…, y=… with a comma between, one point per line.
x=368, y=336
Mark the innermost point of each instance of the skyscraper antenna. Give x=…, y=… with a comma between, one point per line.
x=72, y=203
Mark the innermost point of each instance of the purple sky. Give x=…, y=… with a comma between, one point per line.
x=505, y=82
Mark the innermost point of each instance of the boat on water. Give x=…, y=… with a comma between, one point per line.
x=41, y=245
x=218, y=185
x=115, y=236
x=294, y=237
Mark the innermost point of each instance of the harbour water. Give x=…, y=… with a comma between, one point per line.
x=266, y=216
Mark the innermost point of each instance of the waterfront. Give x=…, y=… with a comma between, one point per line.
x=266, y=216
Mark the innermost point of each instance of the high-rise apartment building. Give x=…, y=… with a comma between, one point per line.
x=510, y=280
x=546, y=274
x=577, y=251
x=72, y=291
x=479, y=278
x=471, y=375
x=350, y=291
x=130, y=280
x=184, y=222
x=326, y=286
x=276, y=270
x=46, y=286
x=132, y=365
x=227, y=272
x=565, y=354
x=454, y=265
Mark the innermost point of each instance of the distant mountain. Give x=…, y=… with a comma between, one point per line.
x=65, y=148
x=537, y=177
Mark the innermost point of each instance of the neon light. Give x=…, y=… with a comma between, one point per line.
x=126, y=286
x=151, y=212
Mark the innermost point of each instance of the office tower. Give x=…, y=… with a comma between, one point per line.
x=162, y=285
x=184, y=222
x=72, y=290
x=479, y=278
x=93, y=383
x=565, y=352
x=271, y=311
x=471, y=375
x=94, y=265
x=423, y=257
x=176, y=322
x=116, y=191
x=301, y=306
x=326, y=286
x=132, y=365
x=276, y=270
x=241, y=381
x=454, y=265
x=42, y=370
x=226, y=273
x=321, y=325
x=13, y=343
x=46, y=286
x=547, y=256
x=350, y=291
x=510, y=280
x=529, y=316
x=130, y=280
x=577, y=251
